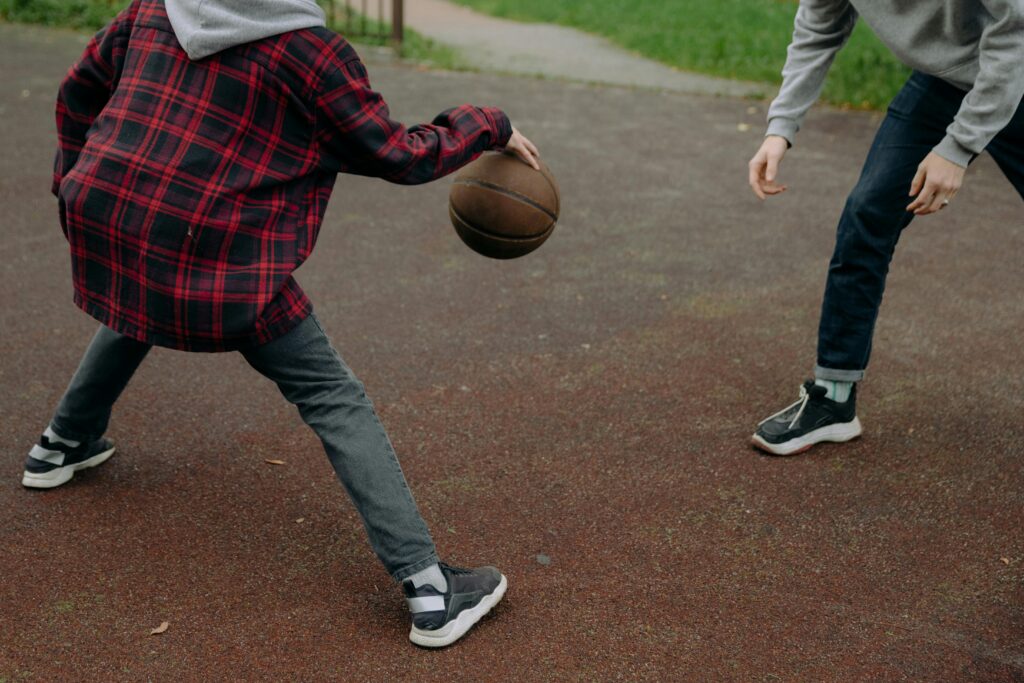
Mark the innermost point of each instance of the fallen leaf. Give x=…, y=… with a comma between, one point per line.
x=300, y=520
x=274, y=462
x=160, y=629
x=1005, y=560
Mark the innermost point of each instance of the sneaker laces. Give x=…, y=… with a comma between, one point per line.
x=805, y=396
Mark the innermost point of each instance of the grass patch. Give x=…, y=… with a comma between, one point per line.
x=93, y=15
x=78, y=14
x=744, y=39
x=415, y=47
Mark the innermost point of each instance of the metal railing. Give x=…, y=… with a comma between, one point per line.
x=376, y=20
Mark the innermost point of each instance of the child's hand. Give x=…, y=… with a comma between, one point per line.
x=523, y=148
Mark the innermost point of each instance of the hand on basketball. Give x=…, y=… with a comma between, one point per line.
x=936, y=183
x=519, y=145
x=764, y=167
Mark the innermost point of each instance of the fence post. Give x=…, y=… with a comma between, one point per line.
x=397, y=22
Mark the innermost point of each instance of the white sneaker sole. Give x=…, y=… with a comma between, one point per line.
x=457, y=628
x=836, y=433
x=62, y=475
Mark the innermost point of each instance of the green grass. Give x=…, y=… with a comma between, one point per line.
x=744, y=39
x=92, y=15
x=78, y=14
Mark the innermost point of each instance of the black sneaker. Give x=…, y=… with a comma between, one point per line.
x=51, y=463
x=812, y=419
x=439, y=619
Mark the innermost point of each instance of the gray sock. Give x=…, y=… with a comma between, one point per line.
x=54, y=436
x=432, y=575
x=836, y=391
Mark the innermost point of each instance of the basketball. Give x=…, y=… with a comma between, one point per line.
x=502, y=208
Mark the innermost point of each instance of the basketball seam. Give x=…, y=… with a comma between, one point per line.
x=554, y=189
x=496, y=236
x=512, y=193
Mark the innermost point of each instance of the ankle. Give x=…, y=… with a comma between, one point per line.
x=432, y=575
x=54, y=437
x=835, y=390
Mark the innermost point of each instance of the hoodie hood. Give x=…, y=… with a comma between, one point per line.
x=206, y=27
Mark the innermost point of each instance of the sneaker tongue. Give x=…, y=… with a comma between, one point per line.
x=815, y=390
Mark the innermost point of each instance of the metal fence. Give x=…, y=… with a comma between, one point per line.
x=376, y=20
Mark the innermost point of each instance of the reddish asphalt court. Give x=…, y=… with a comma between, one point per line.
x=579, y=417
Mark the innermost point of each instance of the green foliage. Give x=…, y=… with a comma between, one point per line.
x=743, y=39
x=80, y=14
x=94, y=14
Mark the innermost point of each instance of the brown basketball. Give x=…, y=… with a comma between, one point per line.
x=502, y=208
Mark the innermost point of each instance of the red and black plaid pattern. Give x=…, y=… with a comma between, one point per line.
x=191, y=191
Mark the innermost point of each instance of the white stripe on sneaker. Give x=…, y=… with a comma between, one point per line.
x=46, y=455
x=431, y=603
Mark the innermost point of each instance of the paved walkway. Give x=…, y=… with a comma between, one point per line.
x=504, y=46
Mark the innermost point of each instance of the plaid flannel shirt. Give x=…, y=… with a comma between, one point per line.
x=191, y=191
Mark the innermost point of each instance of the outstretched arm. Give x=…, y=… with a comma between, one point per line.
x=356, y=134
x=820, y=30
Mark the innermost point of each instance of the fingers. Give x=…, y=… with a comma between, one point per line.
x=532, y=147
x=755, y=169
x=527, y=155
x=772, y=168
x=935, y=204
x=918, y=182
x=519, y=145
x=932, y=198
x=923, y=198
x=761, y=179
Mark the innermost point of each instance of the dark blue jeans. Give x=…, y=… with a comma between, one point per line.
x=311, y=375
x=875, y=215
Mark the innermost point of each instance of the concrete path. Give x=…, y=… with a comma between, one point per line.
x=578, y=417
x=504, y=46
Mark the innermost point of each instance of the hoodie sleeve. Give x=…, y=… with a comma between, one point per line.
x=86, y=89
x=356, y=134
x=998, y=90
x=820, y=30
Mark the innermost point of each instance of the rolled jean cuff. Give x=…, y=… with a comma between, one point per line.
x=834, y=375
x=406, y=572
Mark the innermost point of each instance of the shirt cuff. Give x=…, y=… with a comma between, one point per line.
x=500, y=125
x=951, y=150
x=785, y=128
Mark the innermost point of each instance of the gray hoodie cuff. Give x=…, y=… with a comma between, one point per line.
x=951, y=150
x=785, y=128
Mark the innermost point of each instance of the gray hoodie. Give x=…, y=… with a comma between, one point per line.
x=205, y=27
x=976, y=45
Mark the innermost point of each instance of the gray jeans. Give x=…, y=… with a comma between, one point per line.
x=311, y=375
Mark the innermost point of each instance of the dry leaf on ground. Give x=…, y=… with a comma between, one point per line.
x=160, y=629
x=274, y=462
